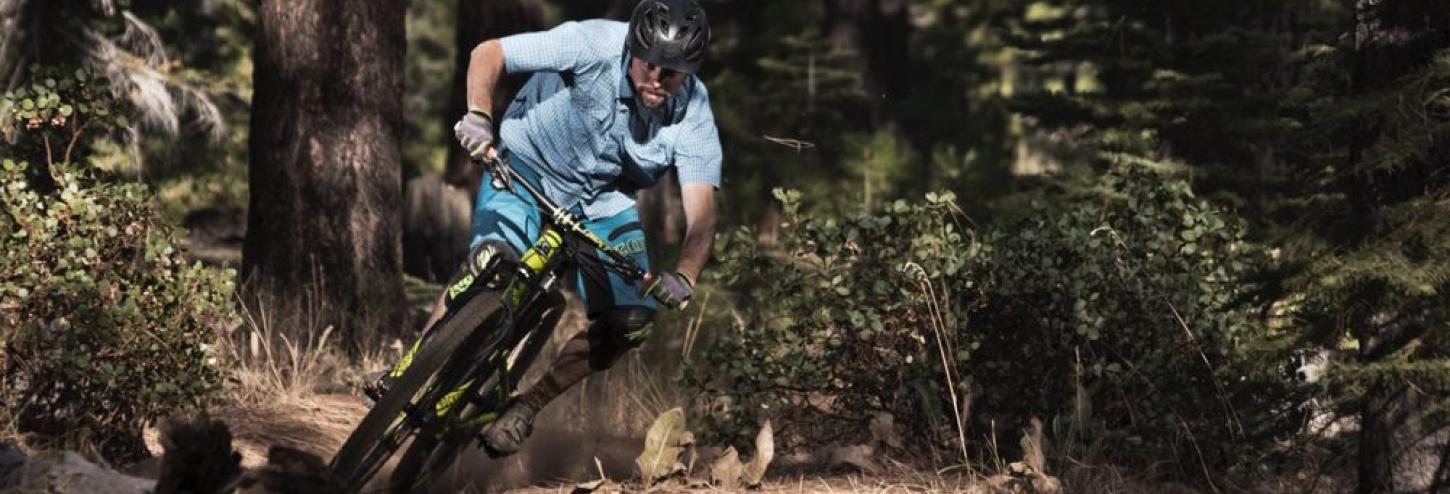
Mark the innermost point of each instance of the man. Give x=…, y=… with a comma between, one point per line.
x=609, y=108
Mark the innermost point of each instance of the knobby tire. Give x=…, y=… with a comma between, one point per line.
x=443, y=342
x=431, y=455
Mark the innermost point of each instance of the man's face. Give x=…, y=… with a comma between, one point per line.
x=653, y=84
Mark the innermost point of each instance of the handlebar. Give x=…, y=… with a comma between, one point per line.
x=504, y=175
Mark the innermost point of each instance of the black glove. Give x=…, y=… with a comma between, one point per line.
x=673, y=290
x=475, y=132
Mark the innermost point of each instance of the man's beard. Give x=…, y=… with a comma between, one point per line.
x=652, y=100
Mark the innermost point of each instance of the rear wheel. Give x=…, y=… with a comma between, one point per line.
x=386, y=425
x=433, y=452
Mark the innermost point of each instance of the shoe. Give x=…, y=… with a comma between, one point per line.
x=506, y=435
x=376, y=385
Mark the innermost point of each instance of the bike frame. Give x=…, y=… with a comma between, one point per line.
x=539, y=269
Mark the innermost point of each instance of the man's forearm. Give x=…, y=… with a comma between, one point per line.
x=699, y=240
x=485, y=66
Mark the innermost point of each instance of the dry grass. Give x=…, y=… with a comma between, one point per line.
x=9, y=434
x=649, y=393
x=289, y=384
x=267, y=360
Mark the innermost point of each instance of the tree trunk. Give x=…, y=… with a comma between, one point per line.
x=878, y=31
x=323, y=245
x=12, y=37
x=40, y=31
x=479, y=21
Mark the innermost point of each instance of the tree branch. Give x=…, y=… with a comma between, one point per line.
x=75, y=137
x=49, y=159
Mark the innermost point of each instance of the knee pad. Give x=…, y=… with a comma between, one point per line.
x=616, y=331
x=490, y=265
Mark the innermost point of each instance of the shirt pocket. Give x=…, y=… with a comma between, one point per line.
x=650, y=159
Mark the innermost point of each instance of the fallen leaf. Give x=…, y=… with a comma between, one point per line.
x=764, y=453
x=725, y=470
x=662, y=446
x=588, y=487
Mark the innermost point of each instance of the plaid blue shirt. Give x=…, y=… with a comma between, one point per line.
x=578, y=125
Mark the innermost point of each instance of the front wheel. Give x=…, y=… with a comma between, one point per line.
x=387, y=425
x=433, y=452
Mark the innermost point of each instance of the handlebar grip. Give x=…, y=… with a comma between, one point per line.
x=659, y=295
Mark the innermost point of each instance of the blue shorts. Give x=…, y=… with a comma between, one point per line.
x=513, y=218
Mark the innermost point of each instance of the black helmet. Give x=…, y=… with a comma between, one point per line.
x=669, y=33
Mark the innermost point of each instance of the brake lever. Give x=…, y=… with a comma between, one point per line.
x=499, y=179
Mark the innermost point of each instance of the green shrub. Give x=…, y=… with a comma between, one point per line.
x=841, y=322
x=103, y=325
x=1136, y=294
x=1123, y=310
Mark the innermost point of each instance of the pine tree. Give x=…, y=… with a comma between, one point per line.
x=1379, y=273
x=1327, y=129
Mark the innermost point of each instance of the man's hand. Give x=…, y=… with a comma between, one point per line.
x=671, y=289
x=475, y=133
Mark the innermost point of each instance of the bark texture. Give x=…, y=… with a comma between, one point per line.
x=324, y=228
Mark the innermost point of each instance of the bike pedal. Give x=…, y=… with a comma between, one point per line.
x=374, y=391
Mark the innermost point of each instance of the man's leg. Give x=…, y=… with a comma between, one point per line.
x=490, y=265
x=608, y=337
x=618, y=320
x=504, y=224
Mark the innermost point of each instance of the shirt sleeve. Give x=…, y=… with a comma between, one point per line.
x=697, y=153
x=561, y=49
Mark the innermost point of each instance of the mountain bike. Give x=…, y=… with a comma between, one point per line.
x=456, y=378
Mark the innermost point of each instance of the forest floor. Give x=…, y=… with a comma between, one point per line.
x=597, y=430
x=594, y=431
x=564, y=458
x=302, y=395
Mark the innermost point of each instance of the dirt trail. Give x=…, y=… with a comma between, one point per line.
x=597, y=425
x=590, y=421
